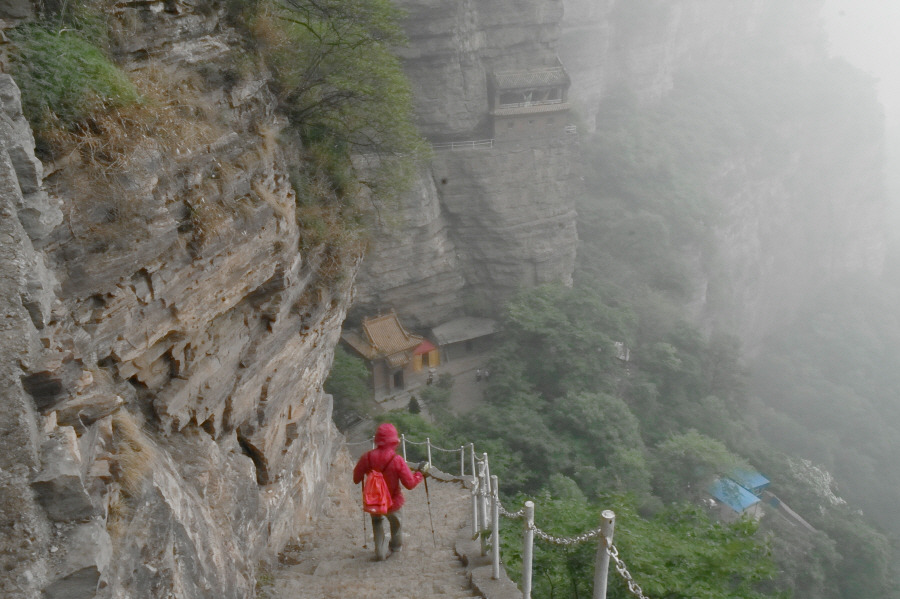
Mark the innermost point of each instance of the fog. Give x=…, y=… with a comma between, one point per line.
x=865, y=33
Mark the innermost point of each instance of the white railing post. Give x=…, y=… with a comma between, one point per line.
x=601, y=560
x=487, y=472
x=527, y=549
x=495, y=529
x=428, y=447
x=475, y=490
x=472, y=458
x=403, y=442
x=462, y=460
x=482, y=504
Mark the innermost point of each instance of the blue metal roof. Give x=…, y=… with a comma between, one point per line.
x=732, y=494
x=749, y=479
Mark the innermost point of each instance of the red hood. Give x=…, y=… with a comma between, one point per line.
x=386, y=436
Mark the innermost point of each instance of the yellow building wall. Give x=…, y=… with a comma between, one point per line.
x=434, y=359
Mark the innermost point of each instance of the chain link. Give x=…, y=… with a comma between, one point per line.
x=633, y=587
x=433, y=446
x=587, y=536
x=511, y=515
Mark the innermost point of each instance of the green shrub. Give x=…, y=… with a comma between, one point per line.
x=348, y=383
x=342, y=86
x=64, y=78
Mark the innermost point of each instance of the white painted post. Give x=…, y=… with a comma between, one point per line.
x=428, y=447
x=474, y=507
x=527, y=550
x=462, y=460
x=487, y=471
x=601, y=560
x=472, y=458
x=482, y=504
x=403, y=441
x=495, y=529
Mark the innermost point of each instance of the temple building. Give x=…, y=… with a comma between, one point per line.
x=529, y=104
x=391, y=352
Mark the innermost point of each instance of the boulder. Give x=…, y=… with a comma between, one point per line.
x=80, y=562
x=60, y=484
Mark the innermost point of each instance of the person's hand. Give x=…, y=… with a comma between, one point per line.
x=423, y=467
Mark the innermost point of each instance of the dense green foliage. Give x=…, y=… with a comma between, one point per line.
x=348, y=383
x=64, y=76
x=827, y=379
x=830, y=382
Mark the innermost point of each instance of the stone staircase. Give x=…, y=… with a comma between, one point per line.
x=330, y=562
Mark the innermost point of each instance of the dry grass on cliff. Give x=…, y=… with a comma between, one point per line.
x=134, y=452
x=104, y=158
x=134, y=457
x=174, y=115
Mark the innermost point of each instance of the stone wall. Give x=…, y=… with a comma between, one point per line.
x=165, y=339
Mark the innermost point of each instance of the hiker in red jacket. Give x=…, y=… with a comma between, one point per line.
x=385, y=459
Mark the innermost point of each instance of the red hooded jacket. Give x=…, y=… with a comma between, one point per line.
x=385, y=459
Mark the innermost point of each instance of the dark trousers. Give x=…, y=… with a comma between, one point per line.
x=381, y=546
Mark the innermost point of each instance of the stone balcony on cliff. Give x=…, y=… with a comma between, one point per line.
x=528, y=104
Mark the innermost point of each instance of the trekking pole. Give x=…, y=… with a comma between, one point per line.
x=365, y=534
x=428, y=500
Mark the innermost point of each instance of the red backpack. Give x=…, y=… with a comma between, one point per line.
x=376, y=496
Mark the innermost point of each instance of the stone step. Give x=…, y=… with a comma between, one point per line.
x=331, y=561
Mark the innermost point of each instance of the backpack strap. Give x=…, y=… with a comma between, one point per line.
x=386, y=464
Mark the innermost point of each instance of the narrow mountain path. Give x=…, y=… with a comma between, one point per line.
x=330, y=561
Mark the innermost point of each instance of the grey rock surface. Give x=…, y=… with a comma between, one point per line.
x=480, y=223
x=164, y=346
x=60, y=484
x=24, y=526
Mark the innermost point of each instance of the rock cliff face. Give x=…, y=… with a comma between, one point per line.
x=164, y=341
x=483, y=221
x=455, y=45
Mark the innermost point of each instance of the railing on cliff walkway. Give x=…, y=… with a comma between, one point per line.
x=478, y=144
x=487, y=509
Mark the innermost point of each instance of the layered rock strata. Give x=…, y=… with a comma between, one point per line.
x=165, y=339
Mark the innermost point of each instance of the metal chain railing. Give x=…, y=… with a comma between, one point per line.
x=587, y=536
x=511, y=515
x=633, y=587
x=433, y=446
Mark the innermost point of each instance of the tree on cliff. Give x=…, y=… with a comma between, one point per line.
x=339, y=79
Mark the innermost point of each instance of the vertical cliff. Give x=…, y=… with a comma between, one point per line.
x=488, y=218
x=166, y=330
